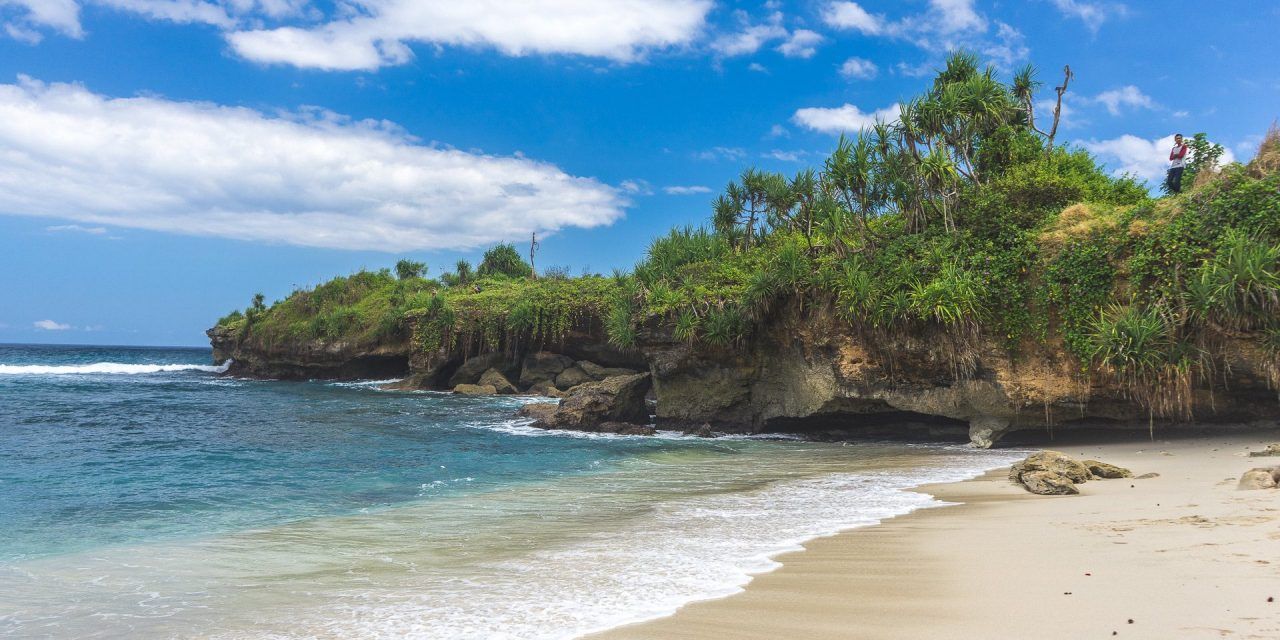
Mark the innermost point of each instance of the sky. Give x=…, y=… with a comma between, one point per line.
x=163, y=160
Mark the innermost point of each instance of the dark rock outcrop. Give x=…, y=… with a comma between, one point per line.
x=475, y=390
x=588, y=406
x=572, y=377
x=542, y=366
x=500, y=383
x=472, y=368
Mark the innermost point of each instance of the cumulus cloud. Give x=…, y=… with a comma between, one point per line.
x=721, y=153
x=750, y=36
x=309, y=178
x=379, y=34
x=50, y=325
x=1145, y=159
x=1116, y=100
x=63, y=16
x=944, y=25
x=679, y=190
x=802, y=43
x=846, y=118
x=851, y=15
x=859, y=68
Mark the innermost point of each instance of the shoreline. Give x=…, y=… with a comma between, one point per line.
x=1182, y=555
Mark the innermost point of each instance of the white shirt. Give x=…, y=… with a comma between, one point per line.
x=1178, y=161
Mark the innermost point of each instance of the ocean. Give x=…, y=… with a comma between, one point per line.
x=144, y=495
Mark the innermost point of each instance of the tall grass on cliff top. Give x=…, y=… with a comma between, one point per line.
x=960, y=225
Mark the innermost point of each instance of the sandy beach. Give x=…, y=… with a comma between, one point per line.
x=1181, y=555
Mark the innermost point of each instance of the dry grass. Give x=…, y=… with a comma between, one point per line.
x=1076, y=222
x=1267, y=161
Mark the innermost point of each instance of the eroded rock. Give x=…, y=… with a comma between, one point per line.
x=985, y=430
x=475, y=390
x=1053, y=462
x=626, y=429
x=541, y=366
x=500, y=383
x=1106, y=470
x=1270, y=450
x=474, y=367
x=539, y=411
x=572, y=377
x=598, y=372
x=546, y=388
x=619, y=399
x=1048, y=483
x=1259, y=478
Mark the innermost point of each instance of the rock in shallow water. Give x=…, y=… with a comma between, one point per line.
x=500, y=383
x=475, y=390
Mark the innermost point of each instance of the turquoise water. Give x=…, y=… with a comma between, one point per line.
x=144, y=495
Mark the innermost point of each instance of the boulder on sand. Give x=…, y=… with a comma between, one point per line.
x=1048, y=483
x=541, y=366
x=1272, y=449
x=1259, y=478
x=1049, y=473
x=499, y=382
x=1105, y=470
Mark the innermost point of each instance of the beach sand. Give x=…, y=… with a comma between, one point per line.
x=1182, y=555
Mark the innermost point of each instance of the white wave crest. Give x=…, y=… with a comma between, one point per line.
x=106, y=368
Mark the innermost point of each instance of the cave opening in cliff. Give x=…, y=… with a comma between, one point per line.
x=880, y=425
x=376, y=367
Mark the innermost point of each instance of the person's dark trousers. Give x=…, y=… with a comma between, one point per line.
x=1175, y=180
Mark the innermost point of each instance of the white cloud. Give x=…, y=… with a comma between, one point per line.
x=945, y=25
x=310, y=178
x=636, y=187
x=686, y=190
x=750, y=37
x=1126, y=96
x=1092, y=14
x=721, y=153
x=1146, y=159
x=95, y=231
x=802, y=43
x=620, y=30
x=859, y=68
x=786, y=156
x=50, y=325
x=62, y=16
x=757, y=67
x=846, y=118
x=851, y=15
x=778, y=131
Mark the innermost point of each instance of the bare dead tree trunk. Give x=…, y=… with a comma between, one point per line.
x=1057, y=108
x=533, y=249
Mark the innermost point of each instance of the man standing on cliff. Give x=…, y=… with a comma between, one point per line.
x=1178, y=162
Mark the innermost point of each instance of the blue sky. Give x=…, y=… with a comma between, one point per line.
x=162, y=160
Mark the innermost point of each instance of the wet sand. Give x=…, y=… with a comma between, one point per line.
x=1182, y=555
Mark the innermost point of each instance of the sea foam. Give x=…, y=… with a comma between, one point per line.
x=106, y=368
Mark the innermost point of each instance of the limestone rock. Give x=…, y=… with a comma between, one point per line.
x=475, y=390
x=474, y=367
x=546, y=388
x=539, y=411
x=494, y=378
x=1272, y=449
x=626, y=429
x=587, y=406
x=1105, y=470
x=572, y=377
x=702, y=432
x=1259, y=478
x=1048, y=483
x=541, y=366
x=984, y=431
x=1053, y=462
x=598, y=372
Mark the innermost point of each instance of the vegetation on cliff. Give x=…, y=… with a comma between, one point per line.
x=961, y=221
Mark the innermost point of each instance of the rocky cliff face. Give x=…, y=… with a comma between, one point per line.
x=814, y=375
x=818, y=376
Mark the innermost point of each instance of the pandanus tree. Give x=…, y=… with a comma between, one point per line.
x=739, y=213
